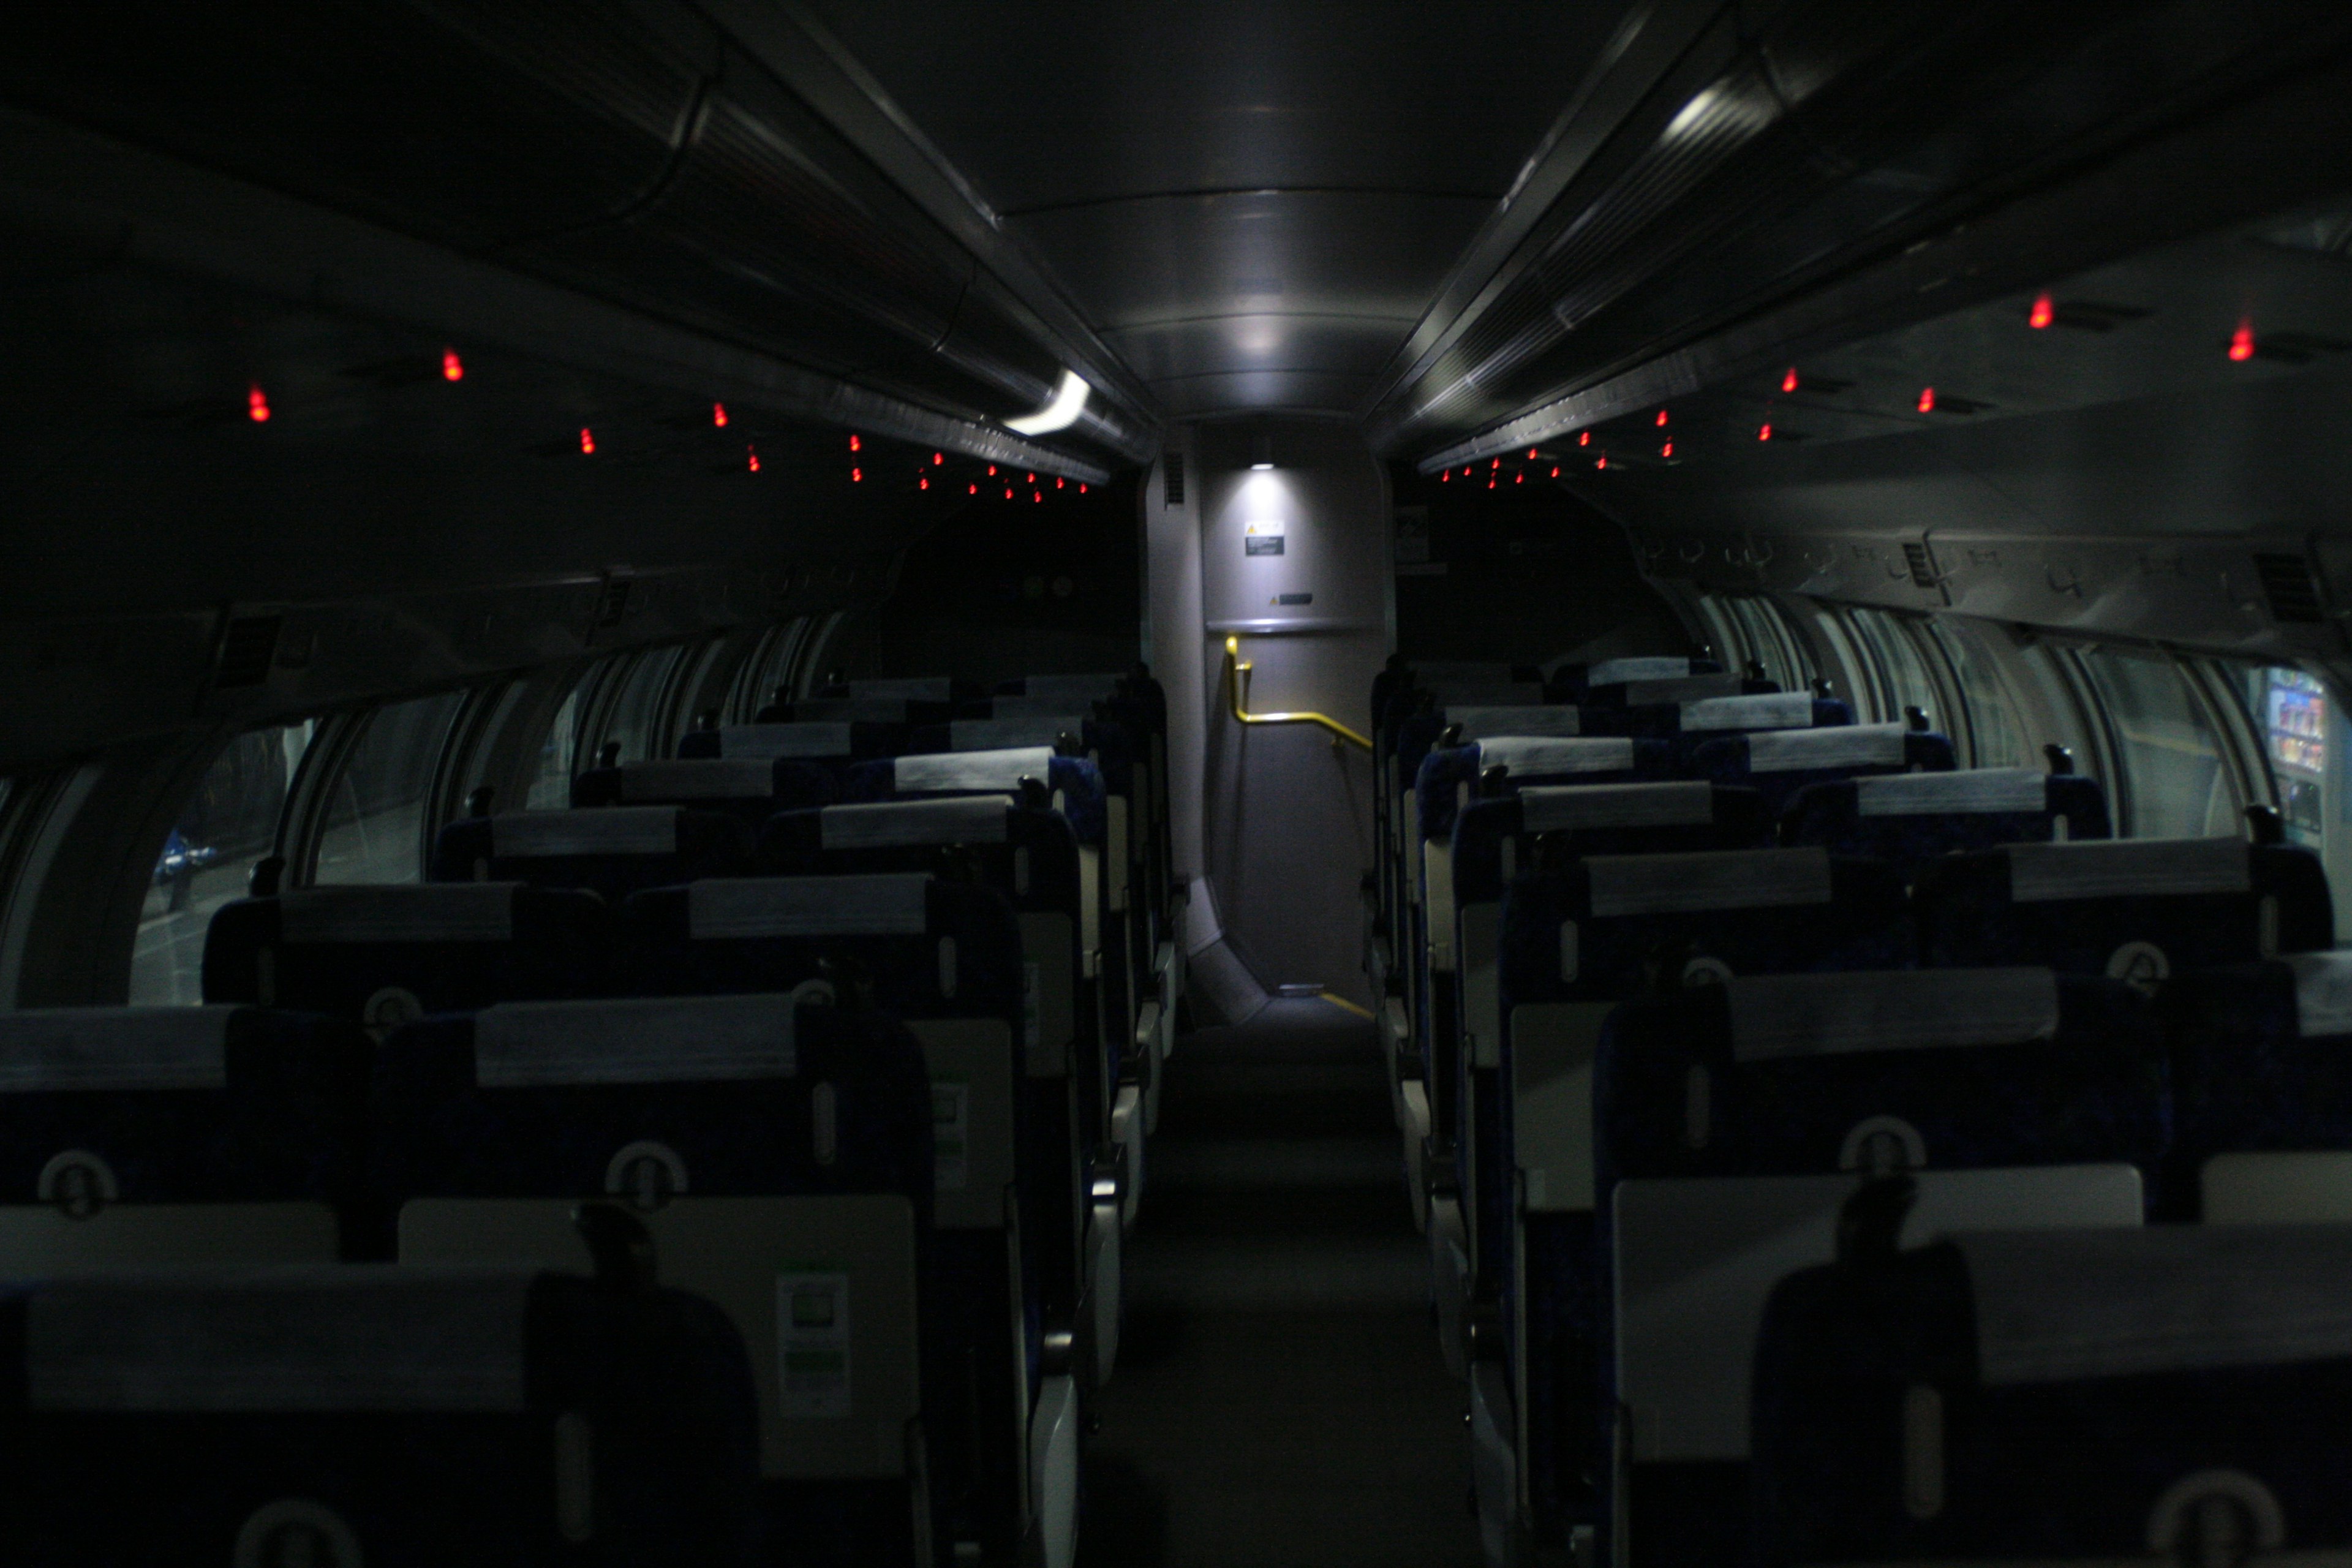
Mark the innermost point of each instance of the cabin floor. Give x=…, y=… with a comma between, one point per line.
x=1280, y=1401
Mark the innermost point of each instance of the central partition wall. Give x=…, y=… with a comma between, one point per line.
x=1281, y=539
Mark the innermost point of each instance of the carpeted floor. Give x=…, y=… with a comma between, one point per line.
x=1279, y=1400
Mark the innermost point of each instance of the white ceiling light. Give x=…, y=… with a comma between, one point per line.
x=1069, y=401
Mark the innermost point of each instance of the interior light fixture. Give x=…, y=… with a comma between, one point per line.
x=1261, y=454
x=452, y=368
x=1061, y=410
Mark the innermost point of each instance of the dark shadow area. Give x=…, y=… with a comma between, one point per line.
x=1523, y=571
x=1279, y=1400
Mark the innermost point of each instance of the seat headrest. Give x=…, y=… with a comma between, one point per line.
x=2127, y=868
x=590, y=830
x=882, y=904
x=961, y=819
x=1765, y=711
x=1913, y=1009
x=1000, y=770
x=653, y=1039
x=427, y=911
x=50, y=1049
x=1971, y=792
x=1835, y=746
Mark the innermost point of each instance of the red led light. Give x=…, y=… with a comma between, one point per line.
x=1602, y=461
x=1496, y=464
x=1490, y=484
x=1032, y=478
x=587, y=442
x=1789, y=382
x=939, y=459
x=1038, y=498
x=991, y=470
x=1057, y=481
x=923, y=484
x=1519, y=478
x=1661, y=418
x=1531, y=454
x=256, y=406
x=1667, y=450
x=719, y=414
x=2043, y=314
x=1447, y=478
x=2242, y=343
x=753, y=454
x=1584, y=437
x=856, y=445
x=452, y=368
x=1082, y=487
x=1008, y=495
x=1764, y=432
x=972, y=490
x=1926, y=400
x=1555, y=472
x=858, y=476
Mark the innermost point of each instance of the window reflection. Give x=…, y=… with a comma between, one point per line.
x=375, y=815
x=231, y=823
x=2176, y=785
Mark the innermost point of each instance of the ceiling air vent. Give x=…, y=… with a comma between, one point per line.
x=2288, y=585
x=1175, y=478
x=1923, y=570
x=245, y=649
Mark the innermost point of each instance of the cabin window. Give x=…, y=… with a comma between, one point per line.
x=778, y=663
x=2174, y=778
x=230, y=824
x=551, y=787
x=1986, y=725
x=377, y=809
x=638, y=717
x=1742, y=628
x=1894, y=674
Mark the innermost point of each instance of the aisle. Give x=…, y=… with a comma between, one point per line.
x=1279, y=1400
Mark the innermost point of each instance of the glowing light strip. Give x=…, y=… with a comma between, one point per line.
x=1069, y=401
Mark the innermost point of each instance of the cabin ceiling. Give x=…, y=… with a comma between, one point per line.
x=1254, y=202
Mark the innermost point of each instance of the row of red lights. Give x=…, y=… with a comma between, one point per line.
x=453, y=368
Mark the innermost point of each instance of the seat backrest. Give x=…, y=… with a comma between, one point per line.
x=298, y=1414
x=1913, y=817
x=1903, y=1069
x=2140, y=909
x=1779, y=762
x=770, y=1145
x=160, y=1137
x=1028, y=855
x=612, y=850
x=386, y=956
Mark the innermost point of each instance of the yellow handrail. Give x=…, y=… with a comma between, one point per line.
x=1235, y=672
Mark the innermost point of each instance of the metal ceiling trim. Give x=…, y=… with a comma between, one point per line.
x=1649, y=42
x=178, y=216
x=812, y=62
x=2133, y=201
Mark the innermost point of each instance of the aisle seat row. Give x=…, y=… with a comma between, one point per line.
x=759, y=1153
x=1787, y=1083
